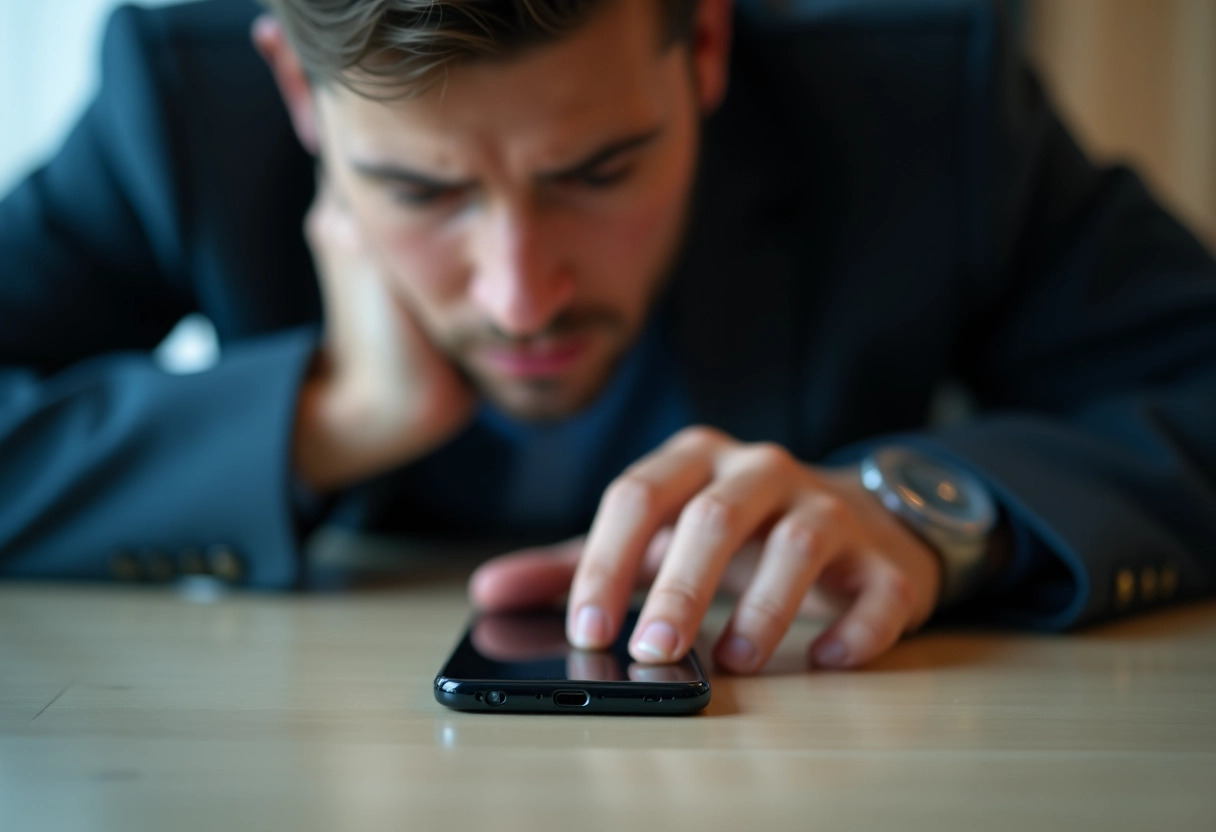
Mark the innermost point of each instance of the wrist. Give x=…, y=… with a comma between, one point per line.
x=344, y=433
x=946, y=506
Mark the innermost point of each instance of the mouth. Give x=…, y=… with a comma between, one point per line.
x=545, y=358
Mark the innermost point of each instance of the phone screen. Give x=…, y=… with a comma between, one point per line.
x=522, y=662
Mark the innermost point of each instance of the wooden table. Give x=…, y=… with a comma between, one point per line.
x=139, y=708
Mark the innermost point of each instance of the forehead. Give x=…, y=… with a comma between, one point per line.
x=606, y=77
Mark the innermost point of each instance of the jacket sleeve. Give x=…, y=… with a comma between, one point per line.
x=1090, y=343
x=107, y=463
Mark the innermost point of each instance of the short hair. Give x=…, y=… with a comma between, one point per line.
x=400, y=47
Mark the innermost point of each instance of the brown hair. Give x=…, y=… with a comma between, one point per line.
x=399, y=47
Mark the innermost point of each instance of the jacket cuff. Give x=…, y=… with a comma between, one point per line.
x=1044, y=583
x=136, y=473
x=253, y=504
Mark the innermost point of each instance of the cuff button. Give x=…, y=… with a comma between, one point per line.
x=191, y=562
x=1125, y=588
x=158, y=566
x=124, y=567
x=1148, y=584
x=1169, y=582
x=226, y=564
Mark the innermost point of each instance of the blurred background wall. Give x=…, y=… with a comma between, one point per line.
x=48, y=62
x=1136, y=79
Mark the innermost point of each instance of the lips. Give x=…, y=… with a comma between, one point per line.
x=547, y=358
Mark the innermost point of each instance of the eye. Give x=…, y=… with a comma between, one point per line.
x=419, y=196
x=603, y=178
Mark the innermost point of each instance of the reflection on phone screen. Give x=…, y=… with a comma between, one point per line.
x=532, y=645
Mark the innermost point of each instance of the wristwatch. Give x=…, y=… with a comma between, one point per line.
x=945, y=506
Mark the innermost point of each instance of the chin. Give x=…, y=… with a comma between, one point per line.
x=540, y=401
x=545, y=400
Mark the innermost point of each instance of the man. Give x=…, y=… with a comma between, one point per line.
x=684, y=277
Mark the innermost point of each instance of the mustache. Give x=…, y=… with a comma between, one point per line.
x=571, y=322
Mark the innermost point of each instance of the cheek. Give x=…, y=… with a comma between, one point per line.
x=421, y=264
x=625, y=254
x=645, y=230
x=418, y=262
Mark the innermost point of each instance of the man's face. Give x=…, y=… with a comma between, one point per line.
x=528, y=211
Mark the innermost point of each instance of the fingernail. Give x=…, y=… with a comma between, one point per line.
x=738, y=654
x=590, y=628
x=831, y=653
x=659, y=640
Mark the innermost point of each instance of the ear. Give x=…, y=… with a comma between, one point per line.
x=711, y=35
x=271, y=42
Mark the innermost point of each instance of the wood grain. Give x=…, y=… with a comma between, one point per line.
x=135, y=708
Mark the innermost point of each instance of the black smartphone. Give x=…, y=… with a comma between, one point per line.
x=521, y=662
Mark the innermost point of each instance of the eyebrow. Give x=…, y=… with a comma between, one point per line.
x=396, y=173
x=604, y=154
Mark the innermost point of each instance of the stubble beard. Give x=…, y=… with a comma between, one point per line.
x=554, y=399
x=551, y=400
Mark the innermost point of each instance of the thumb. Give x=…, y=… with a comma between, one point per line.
x=533, y=577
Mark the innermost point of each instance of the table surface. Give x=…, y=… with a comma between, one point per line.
x=132, y=708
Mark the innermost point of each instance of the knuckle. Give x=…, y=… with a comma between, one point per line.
x=766, y=614
x=698, y=437
x=799, y=534
x=595, y=574
x=832, y=510
x=712, y=515
x=632, y=494
x=903, y=594
x=770, y=456
x=679, y=598
x=802, y=538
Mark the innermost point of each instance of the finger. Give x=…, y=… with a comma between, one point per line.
x=540, y=576
x=527, y=578
x=742, y=567
x=752, y=488
x=634, y=508
x=795, y=553
x=881, y=613
x=655, y=552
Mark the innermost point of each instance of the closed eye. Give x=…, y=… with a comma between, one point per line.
x=420, y=196
x=602, y=179
x=607, y=166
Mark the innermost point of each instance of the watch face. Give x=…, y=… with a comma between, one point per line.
x=950, y=500
x=934, y=485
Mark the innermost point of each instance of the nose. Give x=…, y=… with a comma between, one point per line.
x=519, y=278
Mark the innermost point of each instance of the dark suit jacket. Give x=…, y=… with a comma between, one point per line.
x=886, y=201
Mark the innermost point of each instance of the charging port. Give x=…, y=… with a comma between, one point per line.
x=572, y=698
